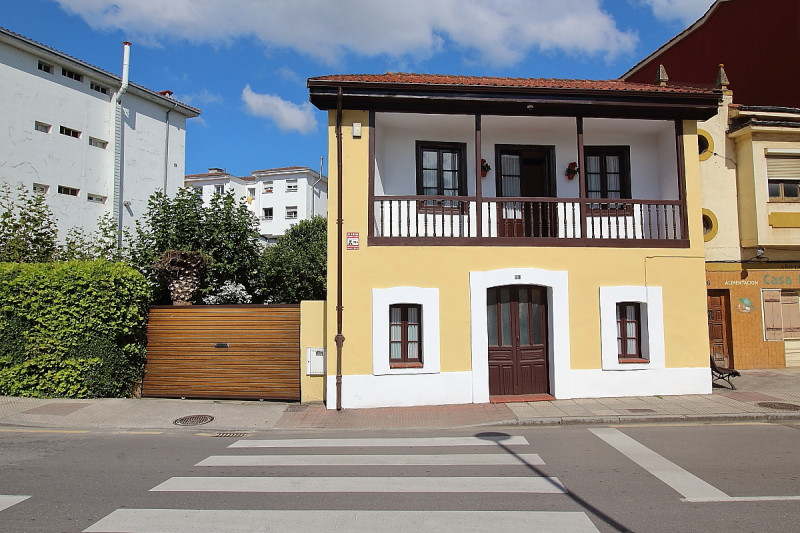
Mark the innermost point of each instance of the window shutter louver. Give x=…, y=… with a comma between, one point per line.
x=773, y=322
x=783, y=168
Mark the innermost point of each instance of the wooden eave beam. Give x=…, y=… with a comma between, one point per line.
x=594, y=104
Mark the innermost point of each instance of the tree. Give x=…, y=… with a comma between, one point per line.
x=28, y=231
x=226, y=231
x=295, y=268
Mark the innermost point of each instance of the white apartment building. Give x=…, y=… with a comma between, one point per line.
x=90, y=141
x=278, y=197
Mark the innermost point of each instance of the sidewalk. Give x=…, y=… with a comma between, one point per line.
x=761, y=395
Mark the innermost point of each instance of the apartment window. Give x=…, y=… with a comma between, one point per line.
x=441, y=171
x=71, y=74
x=267, y=213
x=251, y=192
x=41, y=126
x=291, y=212
x=783, y=177
x=63, y=130
x=69, y=191
x=219, y=189
x=608, y=173
x=781, y=315
x=405, y=328
x=268, y=187
x=96, y=198
x=99, y=88
x=45, y=67
x=629, y=332
x=39, y=188
x=198, y=192
x=291, y=185
x=97, y=143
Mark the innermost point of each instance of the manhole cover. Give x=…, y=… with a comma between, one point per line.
x=780, y=405
x=193, y=420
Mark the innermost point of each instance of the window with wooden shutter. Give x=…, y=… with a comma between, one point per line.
x=773, y=321
x=790, y=311
x=783, y=177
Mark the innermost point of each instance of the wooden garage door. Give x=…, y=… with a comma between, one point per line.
x=221, y=351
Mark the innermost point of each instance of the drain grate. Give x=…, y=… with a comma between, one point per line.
x=780, y=405
x=193, y=420
x=237, y=435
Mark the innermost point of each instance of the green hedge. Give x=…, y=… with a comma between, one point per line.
x=73, y=329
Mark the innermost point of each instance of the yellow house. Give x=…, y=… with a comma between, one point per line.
x=497, y=239
x=750, y=169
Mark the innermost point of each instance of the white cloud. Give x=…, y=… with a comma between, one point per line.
x=286, y=115
x=203, y=97
x=684, y=11
x=499, y=32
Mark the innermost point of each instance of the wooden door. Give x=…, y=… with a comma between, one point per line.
x=517, y=328
x=523, y=172
x=719, y=327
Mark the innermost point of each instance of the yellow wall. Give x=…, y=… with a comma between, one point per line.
x=680, y=272
x=312, y=335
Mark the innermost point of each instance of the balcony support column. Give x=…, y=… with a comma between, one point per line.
x=581, y=175
x=681, y=160
x=478, y=184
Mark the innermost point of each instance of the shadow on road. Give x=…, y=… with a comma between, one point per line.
x=498, y=438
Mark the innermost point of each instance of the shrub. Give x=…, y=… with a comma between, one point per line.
x=72, y=329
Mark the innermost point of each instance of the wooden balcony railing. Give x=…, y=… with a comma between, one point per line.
x=453, y=220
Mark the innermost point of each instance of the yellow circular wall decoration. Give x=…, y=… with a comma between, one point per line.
x=705, y=144
x=710, y=225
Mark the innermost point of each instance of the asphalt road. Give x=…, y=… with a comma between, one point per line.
x=735, y=477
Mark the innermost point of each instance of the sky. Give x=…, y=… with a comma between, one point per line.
x=244, y=63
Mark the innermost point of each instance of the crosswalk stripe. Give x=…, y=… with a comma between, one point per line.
x=527, y=484
x=8, y=501
x=399, y=442
x=494, y=459
x=252, y=521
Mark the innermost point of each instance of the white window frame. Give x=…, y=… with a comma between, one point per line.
x=68, y=191
x=271, y=215
x=652, y=326
x=69, y=132
x=102, y=89
x=428, y=300
x=45, y=67
x=41, y=127
x=291, y=212
x=40, y=188
x=219, y=189
x=71, y=74
x=98, y=143
x=291, y=186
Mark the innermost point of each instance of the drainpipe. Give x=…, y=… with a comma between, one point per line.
x=339, y=339
x=319, y=178
x=166, y=148
x=118, y=166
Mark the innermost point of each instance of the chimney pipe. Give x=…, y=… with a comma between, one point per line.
x=126, y=62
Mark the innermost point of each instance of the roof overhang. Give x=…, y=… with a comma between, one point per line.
x=513, y=101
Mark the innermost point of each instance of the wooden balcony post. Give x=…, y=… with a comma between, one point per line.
x=581, y=176
x=681, y=157
x=478, y=188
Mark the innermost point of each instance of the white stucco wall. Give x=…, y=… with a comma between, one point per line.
x=653, y=161
x=29, y=95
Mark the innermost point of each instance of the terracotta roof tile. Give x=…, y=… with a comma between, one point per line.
x=404, y=78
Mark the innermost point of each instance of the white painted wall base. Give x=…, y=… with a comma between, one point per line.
x=651, y=382
x=408, y=390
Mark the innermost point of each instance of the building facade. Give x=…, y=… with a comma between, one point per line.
x=89, y=140
x=757, y=41
x=504, y=239
x=750, y=168
x=278, y=197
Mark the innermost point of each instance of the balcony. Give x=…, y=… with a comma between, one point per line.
x=517, y=221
